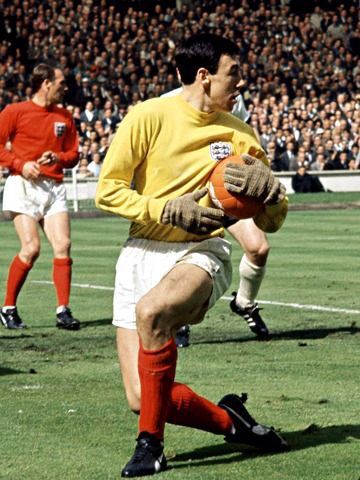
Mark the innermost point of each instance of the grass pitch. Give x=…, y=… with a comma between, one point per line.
x=63, y=411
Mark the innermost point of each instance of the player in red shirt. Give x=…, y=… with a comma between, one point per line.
x=43, y=141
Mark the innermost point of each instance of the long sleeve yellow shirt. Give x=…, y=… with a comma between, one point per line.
x=163, y=149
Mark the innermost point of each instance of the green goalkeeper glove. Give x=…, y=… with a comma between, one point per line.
x=186, y=213
x=254, y=179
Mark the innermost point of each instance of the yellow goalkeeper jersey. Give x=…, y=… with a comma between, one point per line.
x=163, y=149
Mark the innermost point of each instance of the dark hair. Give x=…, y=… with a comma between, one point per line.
x=202, y=51
x=41, y=72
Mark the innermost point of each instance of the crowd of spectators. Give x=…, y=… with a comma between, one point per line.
x=301, y=68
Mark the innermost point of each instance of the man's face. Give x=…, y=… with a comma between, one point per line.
x=224, y=84
x=57, y=88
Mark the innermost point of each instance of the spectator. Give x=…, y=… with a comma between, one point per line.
x=352, y=165
x=303, y=182
x=109, y=121
x=319, y=164
x=303, y=70
x=355, y=154
x=89, y=115
x=288, y=158
x=94, y=166
x=84, y=93
x=82, y=169
x=341, y=161
x=103, y=147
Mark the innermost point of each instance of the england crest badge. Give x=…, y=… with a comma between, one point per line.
x=220, y=150
x=59, y=129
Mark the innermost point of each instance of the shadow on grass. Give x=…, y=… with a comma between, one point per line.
x=312, y=436
x=303, y=334
x=315, y=333
x=96, y=323
x=9, y=371
x=15, y=336
x=52, y=327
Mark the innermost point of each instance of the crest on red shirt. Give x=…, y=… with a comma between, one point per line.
x=59, y=129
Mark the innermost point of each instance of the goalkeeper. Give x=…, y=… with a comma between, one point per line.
x=176, y=263
x=252, y=266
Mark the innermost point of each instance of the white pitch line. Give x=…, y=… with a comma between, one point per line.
x=79, y=285
x=266, y=302
x=306, y=307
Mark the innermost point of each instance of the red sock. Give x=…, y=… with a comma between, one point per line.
x=190, y=410
x=18, y=271
x=157, y=373
x=62, y=279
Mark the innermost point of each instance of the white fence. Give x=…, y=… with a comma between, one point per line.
x=333, y=180
x=77, y=190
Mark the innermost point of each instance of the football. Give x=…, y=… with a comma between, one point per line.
x=234, y=205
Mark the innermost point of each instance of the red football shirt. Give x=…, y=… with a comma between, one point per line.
x=32, y=130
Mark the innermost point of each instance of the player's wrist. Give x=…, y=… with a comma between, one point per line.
x=17, y=166
x=277, y=193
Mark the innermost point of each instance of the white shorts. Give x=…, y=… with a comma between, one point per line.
x=36, y=198
x=143, y=263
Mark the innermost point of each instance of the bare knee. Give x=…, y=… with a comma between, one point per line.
x=128, y=346
x=151, y=320
x=62, y=247
x=257, y=253
x=30, y=251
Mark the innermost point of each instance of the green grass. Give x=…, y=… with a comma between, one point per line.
x=324, y=197
x=63, y=411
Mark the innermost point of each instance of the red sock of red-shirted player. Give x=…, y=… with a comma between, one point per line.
x=62, y=279
x=191, y=410
x=18, y=271
x=157, y=373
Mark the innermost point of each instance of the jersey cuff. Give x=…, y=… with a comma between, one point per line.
x=273, y=217
x=155, y=208
x=17, y=166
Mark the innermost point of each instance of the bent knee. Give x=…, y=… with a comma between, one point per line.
x=148, y=316
x=258, y=253
x=30, y=251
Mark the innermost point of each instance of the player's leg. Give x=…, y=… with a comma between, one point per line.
x=136, y=282
x=252, y=270
x=165, y=400
x=26, y=228
x=127, y=341
x=186, y=408
x=57, y=230
x=182, y=293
